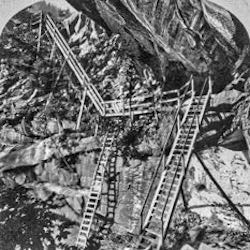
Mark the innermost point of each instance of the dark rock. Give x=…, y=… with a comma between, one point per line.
x=171, y=31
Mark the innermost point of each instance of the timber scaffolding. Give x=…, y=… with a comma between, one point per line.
x=166, y=184
x=110, y=108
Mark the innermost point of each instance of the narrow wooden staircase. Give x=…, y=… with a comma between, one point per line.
x=96, y=189
x=164, y=201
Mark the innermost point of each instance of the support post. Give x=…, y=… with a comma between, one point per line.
x=185, y=204
x=81, y=109
x=210, y=84
x=52, y=52
x=192, y=85
x=178, y=107
x=231, y=204
x=40, y=33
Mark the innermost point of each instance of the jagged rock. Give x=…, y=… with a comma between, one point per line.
x=39, y=192
x=133, y=185
x=206, y=247
x=20, y=179
x=76, y=203
x=11, y=137
x=66, y=212
x=162, y=30
x=187, y=247
x=54, y=173
x=234, y=141
x=85, y=168
x=196, y=233
x=224, y=101
x=58, y=145
x=231, y=170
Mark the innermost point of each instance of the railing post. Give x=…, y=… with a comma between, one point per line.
x=210, y=84
x=40, y=32
x=178, y=107
x=192, y=85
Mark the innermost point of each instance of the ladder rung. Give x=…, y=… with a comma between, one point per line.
x=94, y=194
x=82, y=236
x=83, y=227
x=93, y=199
x=89, y=210
x=88, y=214
x=151, y=232
x=86, y=222
x=36, y=23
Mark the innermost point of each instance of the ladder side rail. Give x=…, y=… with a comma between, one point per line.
x=181, y=157
x=75, y=64
x=174, y=199
x=182, y=98
x=173, y=204
x=64, y=49
x=100, y=156
x=178, y=165
x=198, y=117
x=73, y=56
x=195, y=115
x=186, y=86
x=158, y=166
x=91, y=189
x=77, y=73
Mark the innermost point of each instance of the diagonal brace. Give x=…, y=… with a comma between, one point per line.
x=225, y=196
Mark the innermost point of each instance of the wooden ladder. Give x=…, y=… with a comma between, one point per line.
x=74, y=64
x=113, y=108
x=37, y=23
x=166, y=195
x=95, y=190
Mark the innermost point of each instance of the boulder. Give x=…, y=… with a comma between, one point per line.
x=187, y=247
x=204, y=246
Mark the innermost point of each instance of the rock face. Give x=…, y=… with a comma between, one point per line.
x=232, y=172
x=41, y=151
x=162, y=33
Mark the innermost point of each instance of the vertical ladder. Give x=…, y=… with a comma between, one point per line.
x=36, y=23
x=112, y=191
x=165, y=198
x=95, y=190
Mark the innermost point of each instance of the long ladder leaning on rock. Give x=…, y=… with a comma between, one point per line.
x=164, y=201
x=96, y=188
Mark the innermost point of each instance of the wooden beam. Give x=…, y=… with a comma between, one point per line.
x=81, y=109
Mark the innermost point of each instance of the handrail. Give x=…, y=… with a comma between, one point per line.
x=78, y=75
x=158, y=166
x=77, y=68
x=162, y=154
x=100, y=156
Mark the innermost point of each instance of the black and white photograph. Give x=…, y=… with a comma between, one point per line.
x=124, y=124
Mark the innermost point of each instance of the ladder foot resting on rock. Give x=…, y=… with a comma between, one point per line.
x=161, y=209
x=96, y=189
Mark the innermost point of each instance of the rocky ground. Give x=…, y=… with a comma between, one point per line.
x=47, y=164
